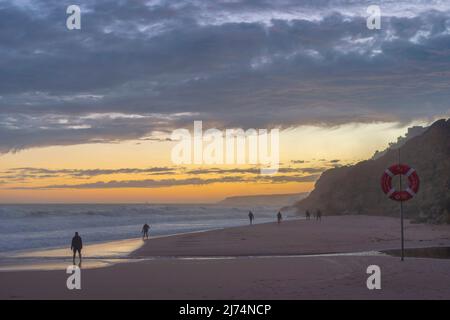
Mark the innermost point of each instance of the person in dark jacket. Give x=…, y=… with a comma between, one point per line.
x=145, y=229
x=77, y=245
x=319, y=215
x=279, y=217
x=251, y=217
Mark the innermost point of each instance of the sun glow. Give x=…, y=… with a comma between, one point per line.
x=142, y=171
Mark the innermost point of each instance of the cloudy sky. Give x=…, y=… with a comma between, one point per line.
x=77, y=103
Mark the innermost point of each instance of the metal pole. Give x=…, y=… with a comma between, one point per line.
x=403, y=241
x=401, y=214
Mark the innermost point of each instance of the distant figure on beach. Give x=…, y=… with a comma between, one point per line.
x=319, y=215
x=308, y=215
x=279, y=217
x=77, y=245
x=251, y=217
x=145, y=229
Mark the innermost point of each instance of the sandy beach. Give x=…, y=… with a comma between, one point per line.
x=261, y=262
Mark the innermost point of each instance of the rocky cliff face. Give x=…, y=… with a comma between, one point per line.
x=356, y=189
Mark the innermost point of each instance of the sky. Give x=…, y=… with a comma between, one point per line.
x=86, y=115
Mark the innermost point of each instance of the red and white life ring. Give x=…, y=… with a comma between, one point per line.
x=401, y=195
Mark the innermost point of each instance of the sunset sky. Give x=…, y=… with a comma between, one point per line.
x=86, y=115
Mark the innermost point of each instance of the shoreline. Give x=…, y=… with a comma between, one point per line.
x=107, y=253
x=297, y=259
x=40, y=257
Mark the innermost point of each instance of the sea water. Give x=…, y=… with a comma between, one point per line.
x=43, y=226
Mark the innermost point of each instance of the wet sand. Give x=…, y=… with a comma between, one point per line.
x=94, y=256
x=259, y=277
x=332, y=234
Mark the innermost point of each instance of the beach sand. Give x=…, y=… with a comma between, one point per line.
x=270, y=273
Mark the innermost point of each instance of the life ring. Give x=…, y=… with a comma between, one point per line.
x=413, y=182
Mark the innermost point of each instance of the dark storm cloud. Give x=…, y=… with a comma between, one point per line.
x=161, y=64
x=29, y=173
x=313, y=169
x=239, y=170
x=150, y=183
x=147, y=183
x=285, y=179
x=224, y=171
x=43, y=173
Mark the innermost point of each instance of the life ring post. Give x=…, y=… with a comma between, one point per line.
x=401, y=216
x=399, y=194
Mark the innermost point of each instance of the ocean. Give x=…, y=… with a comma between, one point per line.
x=47, y=226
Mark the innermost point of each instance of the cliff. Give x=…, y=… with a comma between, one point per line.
x=356, y=189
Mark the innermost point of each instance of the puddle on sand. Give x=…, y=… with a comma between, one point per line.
x=432, y=252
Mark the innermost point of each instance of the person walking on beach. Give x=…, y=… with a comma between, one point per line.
x=145, y=229
x=308, y=215
x=319, y=215
x=279, y=217
x=77, y=245
x=251, y=217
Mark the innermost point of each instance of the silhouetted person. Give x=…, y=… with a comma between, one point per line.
x=251, y=217
x=77, y=245
x=308, y=215
x=319, y=215
x=279, y=217
x=145, y=229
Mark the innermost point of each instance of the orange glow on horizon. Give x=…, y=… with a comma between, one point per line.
x=313, y=145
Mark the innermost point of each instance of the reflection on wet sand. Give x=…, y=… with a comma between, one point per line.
x=94, y=256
